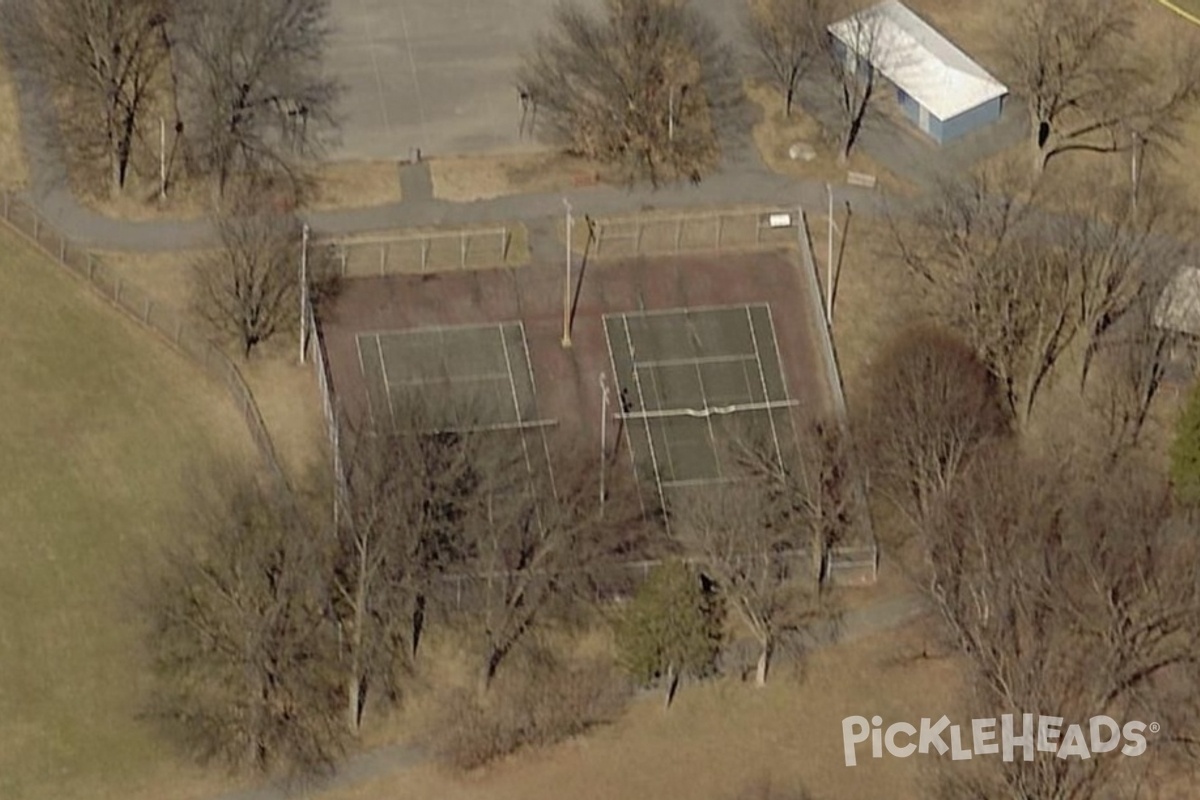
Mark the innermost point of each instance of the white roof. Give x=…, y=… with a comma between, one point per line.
x=918, y=59
x=1179, y=307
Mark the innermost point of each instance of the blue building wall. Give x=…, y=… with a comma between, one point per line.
x=909, y=106
x=967, y=121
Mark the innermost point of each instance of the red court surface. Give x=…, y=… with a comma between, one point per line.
x=567, y=380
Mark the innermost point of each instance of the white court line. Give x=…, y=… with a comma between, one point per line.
x=412, y=66
x=387, y=125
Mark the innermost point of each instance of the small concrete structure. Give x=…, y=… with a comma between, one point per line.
x=939, y=88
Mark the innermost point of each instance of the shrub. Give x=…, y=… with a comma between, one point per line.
x=1185, y=453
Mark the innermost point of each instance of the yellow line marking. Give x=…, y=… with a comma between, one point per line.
x=1192, y=18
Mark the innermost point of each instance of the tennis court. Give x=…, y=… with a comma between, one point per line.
x=690, y=378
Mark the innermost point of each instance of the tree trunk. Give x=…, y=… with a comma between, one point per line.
x=672, y=686
x=418, y=622
x=764, y=662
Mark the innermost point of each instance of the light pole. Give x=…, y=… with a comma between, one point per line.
x=829, y=260
x=566, y=336
x=1133, y=166
x=603, y=434
x=303, y=289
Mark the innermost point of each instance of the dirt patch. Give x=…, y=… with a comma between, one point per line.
x=467, y=179
x=775, y=134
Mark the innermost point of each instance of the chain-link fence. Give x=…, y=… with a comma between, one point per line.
x=163, y=320
x=421, y=252
x=717, y=230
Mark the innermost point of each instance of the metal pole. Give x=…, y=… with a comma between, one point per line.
x=566, y=336
x=829, y=262
x=303, y=289
x=603, y=434
x=162, y=159
x=1137, y=142
x=671, y=114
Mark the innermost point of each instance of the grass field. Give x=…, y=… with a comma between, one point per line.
x=100, y=425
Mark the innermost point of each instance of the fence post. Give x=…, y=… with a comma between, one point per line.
x=117, y=292
x=91, y=266
x=62, y=249
x=720, y=225
x=6, y=205
x=462, y=248
x=504, y=244
x=37, y=224
x=424, y=253
x=383, y=259
x=637, y=242
x=678, y=234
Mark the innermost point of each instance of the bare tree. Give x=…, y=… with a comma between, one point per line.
x=852, y=51
x=763, y=538
x=257, y=98
x=405, y=493
x=1067, y=591
x=648, y=88
x=243, y=648
x=535, y=537
x=103, y=56
x=761, y=565
x=248, y=290
x=999, y=276
x=1089, y=84
x=788, y=38
x=933, y=407
x=1123, y=249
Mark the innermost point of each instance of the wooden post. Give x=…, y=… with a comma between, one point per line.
x=383, y=259
x=462, y=249
x=678, y=234
x=720, y=224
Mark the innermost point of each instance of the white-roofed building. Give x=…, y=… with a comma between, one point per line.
x=940, y=89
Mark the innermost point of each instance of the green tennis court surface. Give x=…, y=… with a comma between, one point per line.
x=689, y=378
x=474, y=376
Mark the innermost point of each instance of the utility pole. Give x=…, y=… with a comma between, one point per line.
x=303, y=290
x=566, y=336
x=603, y=434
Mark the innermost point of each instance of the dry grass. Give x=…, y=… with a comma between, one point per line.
x=774, y=134
x=720, y=736
x=349, y=184
x=876, y=296
x=465, y=179
x=286, y=391
x=14, y=174
x=101, y=426
x=355, y=184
